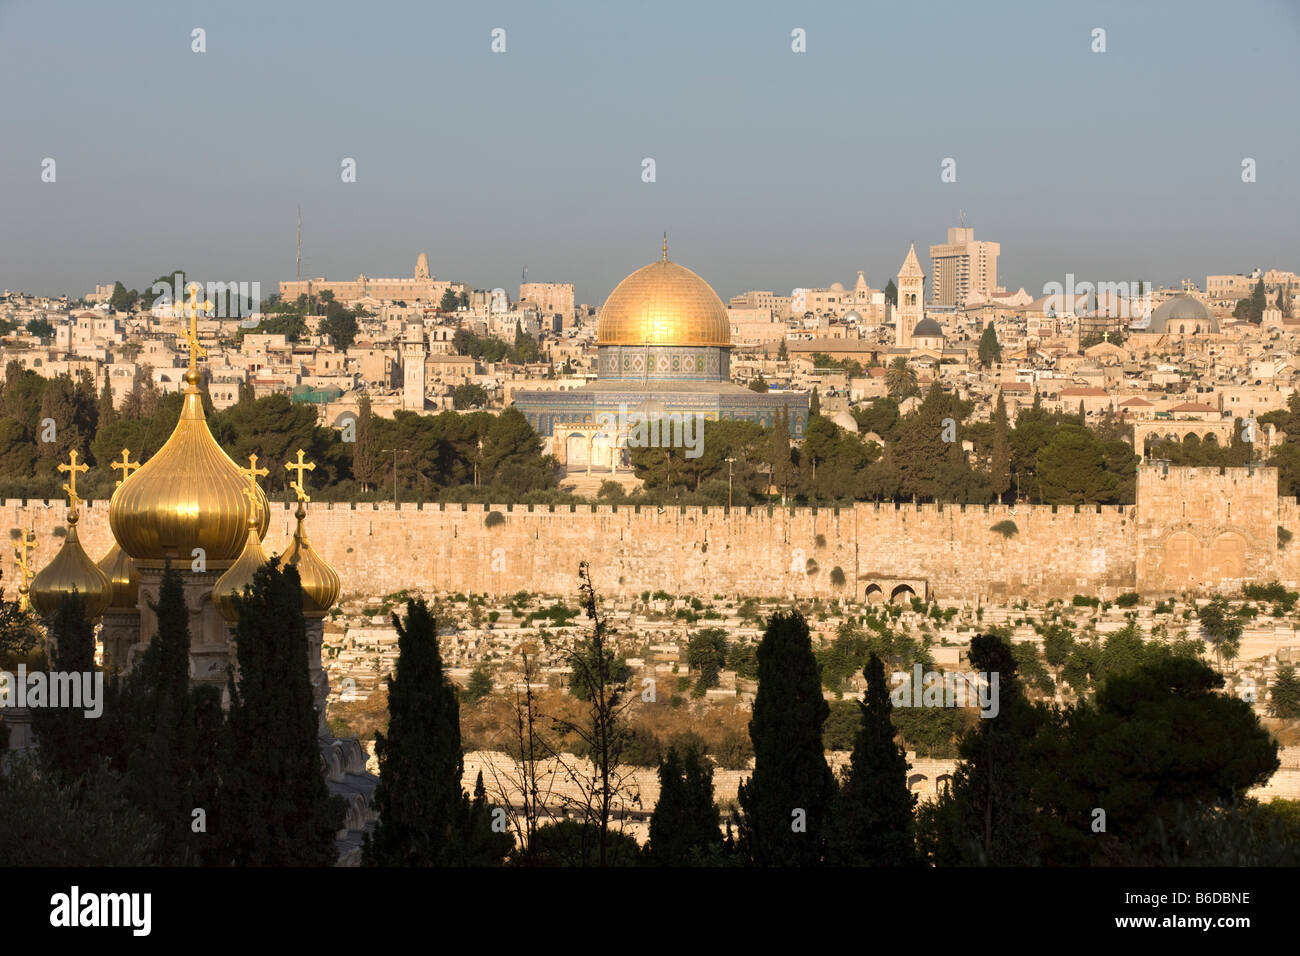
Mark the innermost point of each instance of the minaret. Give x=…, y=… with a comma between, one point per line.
x=911, y=299
x=413, y=352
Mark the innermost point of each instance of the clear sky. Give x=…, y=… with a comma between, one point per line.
x=774, y=169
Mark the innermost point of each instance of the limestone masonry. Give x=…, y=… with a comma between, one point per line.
x=1193, y=529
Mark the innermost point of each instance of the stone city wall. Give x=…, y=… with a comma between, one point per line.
x=1203, y=532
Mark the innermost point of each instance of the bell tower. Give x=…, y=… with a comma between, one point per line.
x=911, y=299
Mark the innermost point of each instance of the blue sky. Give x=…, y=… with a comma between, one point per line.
x=774, y=169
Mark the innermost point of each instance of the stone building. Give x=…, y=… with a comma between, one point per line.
x=664, y=344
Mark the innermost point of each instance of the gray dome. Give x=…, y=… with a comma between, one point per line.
x=1182, y=308
x=927, y=327
x=852, y=316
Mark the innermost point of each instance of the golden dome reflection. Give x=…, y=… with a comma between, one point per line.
x=663, y=304
x=189, y=495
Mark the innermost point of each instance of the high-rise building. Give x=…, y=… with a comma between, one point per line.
x=961, y=266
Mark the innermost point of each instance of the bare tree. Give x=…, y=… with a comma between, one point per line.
x=604, y=786
x=523, y=776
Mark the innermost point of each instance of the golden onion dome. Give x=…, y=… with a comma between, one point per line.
x=663, y=304
x=189, y=495
x=239, y=576
x=320, y=582
x=123, y=579
x=71, y=571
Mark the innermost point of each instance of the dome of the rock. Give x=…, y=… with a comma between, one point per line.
x=664, y=304
x=187, y=496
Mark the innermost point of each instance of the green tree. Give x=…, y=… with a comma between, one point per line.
x=1159, y=740
x=1071, y=469
x=986, y=818
x=872, y=819
x=785, y=806
x=990, y=351
x=41, y=328
x=469, y=395
x=1000, y=459
x=450, y=301
x=706, y=653
x=363, y=449
x=480, y=683
x=107, y=413
x=1284, y=695
x=340, y=324
x=684, y=825
x=783, y=353
x=70, y=741
x=814, y=403
x=891, y=293
x=121, y=300
x=1221, y=627
x=171, y=732
x=900, y=380
x=758, y=383
x=274, y=807
x=782, y=466
x=423, y=812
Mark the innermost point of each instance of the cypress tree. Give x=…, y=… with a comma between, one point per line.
x=872, y=824
x=171, y=732
x=990, y=783
x=422, y=810
x=107, y=413
x=363, y=451
x=786, y=803
x=990, y=350
x=273, y=807
x=485, y=846
x=684, y=826
x=1000, y=461
x=814, y=403
x=69, y=740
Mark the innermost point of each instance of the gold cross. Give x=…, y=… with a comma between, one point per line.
x=251, y=473
x=26, y=545
x=125, y=466
x=192, y=333
x=71, y=470
x=300, y=466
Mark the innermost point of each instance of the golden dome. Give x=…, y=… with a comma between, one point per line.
x=123, y=579
x=71, y=570
x=663, y=304
x=189, y=495
x=320, y=582
x=239, y=576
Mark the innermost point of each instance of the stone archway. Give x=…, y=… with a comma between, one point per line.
x=874, y=595
x=1182, y=559
x=903, y=591
x=577, y=450
x=1227, y=557
x=915, y=779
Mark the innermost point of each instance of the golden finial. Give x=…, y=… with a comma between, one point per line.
x=71, y=486
x=125, y=466
x=665, y=247
x=300, y=466
x=252, y=472
x=25, y=570
x=194, y=307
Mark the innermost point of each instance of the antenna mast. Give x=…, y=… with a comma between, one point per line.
x=299, y=260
